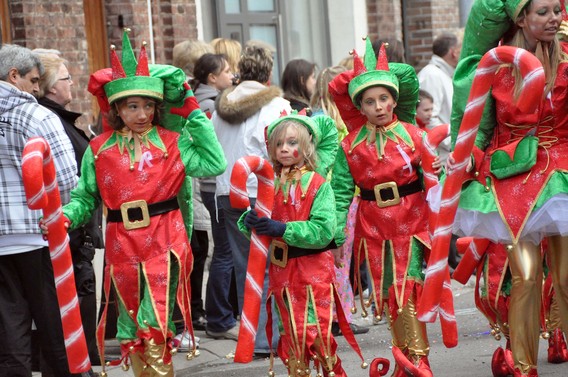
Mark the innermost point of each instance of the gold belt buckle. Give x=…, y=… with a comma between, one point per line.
x=129, y=225
x=389, y=202
x=279, y=245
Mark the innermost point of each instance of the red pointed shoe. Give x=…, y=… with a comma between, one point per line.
x=380, y=367
x=557, y=352
x=499, y=365
x=531, y=373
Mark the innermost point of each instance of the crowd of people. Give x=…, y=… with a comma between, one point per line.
x=344, y=140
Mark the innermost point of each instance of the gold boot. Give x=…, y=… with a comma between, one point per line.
x=138, y=365
x=156, y=367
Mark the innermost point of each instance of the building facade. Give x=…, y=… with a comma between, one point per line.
x=322, y=31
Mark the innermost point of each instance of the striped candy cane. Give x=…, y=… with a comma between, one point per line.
x=533, y=84
x=42, y=192
x=258, y=246
x=431, y=141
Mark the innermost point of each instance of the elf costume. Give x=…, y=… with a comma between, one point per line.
x=391, y=227
x=141, y=179
x=301, y=273
x=524, y=201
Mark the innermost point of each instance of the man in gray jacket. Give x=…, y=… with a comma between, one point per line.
x=27, y=288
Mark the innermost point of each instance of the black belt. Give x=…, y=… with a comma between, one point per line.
x=138, y=212
x=281, y=252
x=387, y=194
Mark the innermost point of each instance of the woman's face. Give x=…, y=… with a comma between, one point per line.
x=223, y=80
x=60, y=92
x=311, y=83
x=378, y=104
x=540, y=21
x=288, y=151
x=137, y=113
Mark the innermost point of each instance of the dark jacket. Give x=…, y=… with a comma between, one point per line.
x=84, y=240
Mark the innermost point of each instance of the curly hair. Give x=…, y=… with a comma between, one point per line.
x=256, y=64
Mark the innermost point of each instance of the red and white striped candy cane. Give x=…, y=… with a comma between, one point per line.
x=42, y=192
x=533, y=85
x=430, y=143
x=258, y=245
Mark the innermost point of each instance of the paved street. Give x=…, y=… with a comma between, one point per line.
x=472, y=357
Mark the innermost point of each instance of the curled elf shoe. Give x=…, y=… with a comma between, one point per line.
x=379, y=367
x=415, y=366
x=557, y=351
x=499, y=365
x=530, y=373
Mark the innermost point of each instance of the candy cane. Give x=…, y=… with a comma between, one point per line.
x=431, y=141
x=258, y=246
x=533, y=84
x=42, y=192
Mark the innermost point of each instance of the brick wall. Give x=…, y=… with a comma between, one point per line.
x=424, y=20
x=60, y=25
x=415, y=22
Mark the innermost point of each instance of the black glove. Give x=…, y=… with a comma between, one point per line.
x=269, y=227
x=251, y=219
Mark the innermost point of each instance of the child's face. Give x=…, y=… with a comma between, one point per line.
x=137, y=113
x=424, y=110
x=378, y=104
x=288, y=152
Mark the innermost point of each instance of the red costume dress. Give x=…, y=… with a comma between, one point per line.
x=145, y=261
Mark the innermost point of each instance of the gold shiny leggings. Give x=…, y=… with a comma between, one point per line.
x=525, y=262
x=558, y=253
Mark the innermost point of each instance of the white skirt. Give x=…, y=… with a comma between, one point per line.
x=549, y=220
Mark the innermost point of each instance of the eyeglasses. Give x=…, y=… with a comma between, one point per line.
x=68, y=78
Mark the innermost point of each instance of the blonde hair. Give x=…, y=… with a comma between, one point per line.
x=186, y=53
x=322, y=99
x=347, y=62
x=549, y=54
x=306, y=146
x=51, y=64
x=231, y=48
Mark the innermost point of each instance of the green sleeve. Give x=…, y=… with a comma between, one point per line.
x=343, y=187
x=318, y=231
x=200, y=150
x=242, y=227
x=85, y=198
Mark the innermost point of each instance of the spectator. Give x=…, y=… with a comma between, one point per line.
x=424, y=109
x=436, y=77
x=298, y=83
x=232, y=49
x=27, y=292
x=241, y=115
x=394, y=48
x=213, y=75
x=55, y=94
x=186, y=53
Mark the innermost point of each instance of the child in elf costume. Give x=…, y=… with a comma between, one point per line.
x=381, y=156
x=301, y=274
x=140, y=170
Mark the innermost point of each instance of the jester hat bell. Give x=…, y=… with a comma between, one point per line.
x=373, y=71
x=132, y=78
